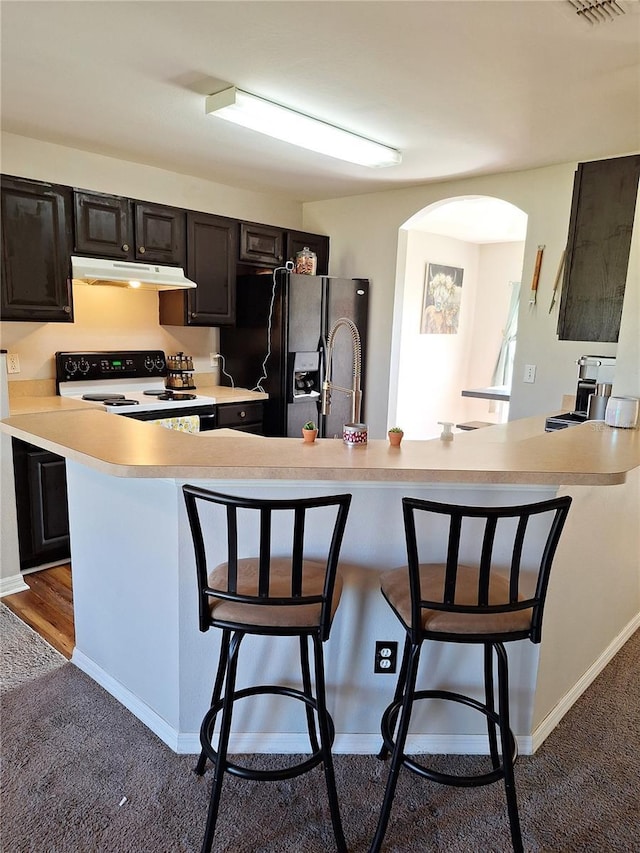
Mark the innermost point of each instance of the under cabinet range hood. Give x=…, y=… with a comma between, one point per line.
x=128, y=274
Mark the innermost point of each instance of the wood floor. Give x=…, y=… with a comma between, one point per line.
x=47, y=606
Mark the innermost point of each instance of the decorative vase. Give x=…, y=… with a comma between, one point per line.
x=395, y=438
x=309, y=435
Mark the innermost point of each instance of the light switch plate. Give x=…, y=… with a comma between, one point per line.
x=529, y=373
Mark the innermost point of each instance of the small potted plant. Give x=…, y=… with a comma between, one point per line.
x=309, y=431
x=395, y=436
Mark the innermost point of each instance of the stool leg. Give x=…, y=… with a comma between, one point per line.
x=397, y=755
x=306, y=684
x=217, y=690
x=400, y=686
x=223, y=742
x=325, y=742
x=507, y=747
x=489, y=701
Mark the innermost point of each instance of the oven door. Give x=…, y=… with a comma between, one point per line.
x=205, y=414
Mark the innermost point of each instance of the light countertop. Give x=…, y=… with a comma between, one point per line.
x=519, y=452
x=493, y=392
x=29, y=403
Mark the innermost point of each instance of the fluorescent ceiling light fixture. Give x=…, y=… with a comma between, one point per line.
x=298, y=129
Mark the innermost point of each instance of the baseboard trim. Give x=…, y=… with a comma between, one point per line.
x=542, y=732
x=187, y=743
x=12, y=584
x=143, y=712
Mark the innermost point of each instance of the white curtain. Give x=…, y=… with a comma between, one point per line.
x=503, y=370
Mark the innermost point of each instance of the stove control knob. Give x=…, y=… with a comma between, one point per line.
x=70, y=366
x=160, y=363
x=149, y=363
x=84, y=365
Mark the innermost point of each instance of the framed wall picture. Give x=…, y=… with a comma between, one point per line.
x=441, y=301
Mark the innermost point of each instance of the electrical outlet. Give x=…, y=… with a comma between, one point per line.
x=529, y=373
x=213, y=359
x=386, y=658
x=13, y=363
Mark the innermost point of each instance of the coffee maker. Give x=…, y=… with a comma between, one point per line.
x=595, y=379
x=593, y=371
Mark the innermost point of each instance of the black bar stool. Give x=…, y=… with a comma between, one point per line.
x=284, y=595
x=472, y=596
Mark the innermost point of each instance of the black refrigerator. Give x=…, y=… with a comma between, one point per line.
x=279, y=346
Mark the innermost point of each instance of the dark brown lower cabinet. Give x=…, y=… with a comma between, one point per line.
x=41, y=501
x=246, y=417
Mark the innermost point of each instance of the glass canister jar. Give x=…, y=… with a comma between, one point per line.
x=306, y=262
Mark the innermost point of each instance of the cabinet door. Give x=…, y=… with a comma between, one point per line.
x=102, y=225
x=160, y=234
x=246, y=417
x=602, y=213
x=48, y=496
x=36, y=246
x=296, y=241
x=261, y=244
x=212, y=246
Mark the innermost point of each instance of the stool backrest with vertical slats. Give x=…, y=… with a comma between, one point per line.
x=516, y=542
x=273, y=574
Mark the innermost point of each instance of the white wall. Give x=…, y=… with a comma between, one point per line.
x=112, y=317
x=365, y=241
x=432, y=370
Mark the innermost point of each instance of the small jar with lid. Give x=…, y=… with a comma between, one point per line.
x=306, y=262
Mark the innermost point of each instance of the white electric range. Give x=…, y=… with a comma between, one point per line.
x=130, y=383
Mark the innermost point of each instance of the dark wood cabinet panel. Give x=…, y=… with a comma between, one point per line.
x=102, y=225
x=261, y=245
x=110, y=226
x=160, y=234
x=36, y=248
x=296, y=241
x=246, y=417
x=44, y=224
x=41, y=500
x=212, y=245
x=599, y=240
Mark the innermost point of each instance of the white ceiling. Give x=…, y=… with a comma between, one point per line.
x=462, y=88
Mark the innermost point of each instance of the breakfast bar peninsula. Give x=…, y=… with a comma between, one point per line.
x=134, y=584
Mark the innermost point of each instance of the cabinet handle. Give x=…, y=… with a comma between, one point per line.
x=193, y=314
x=142, y=250
x=67, y=309
x=242, y=414
x=125, y=247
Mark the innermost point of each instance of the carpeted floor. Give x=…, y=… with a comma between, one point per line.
x=80, y=774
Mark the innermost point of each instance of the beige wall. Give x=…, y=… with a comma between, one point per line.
x=111, y=317
x=364, y=241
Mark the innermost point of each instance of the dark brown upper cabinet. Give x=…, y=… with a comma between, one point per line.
x=36, y=247
x=212, y=247
x=598, y=244
x=261, y=245
x=296, y=241
x=160, y=234
x=102, y=225
x=115, y=227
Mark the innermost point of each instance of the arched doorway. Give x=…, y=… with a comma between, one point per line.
x=459, y=269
